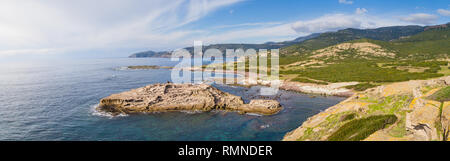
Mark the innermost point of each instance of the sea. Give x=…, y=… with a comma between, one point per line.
x=55, y=100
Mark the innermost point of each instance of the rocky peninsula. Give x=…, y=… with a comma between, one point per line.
x=182, y=97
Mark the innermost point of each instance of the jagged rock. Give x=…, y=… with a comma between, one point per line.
x=180, y=97
x=447, y=80
x=422, y=120
x=266, y=107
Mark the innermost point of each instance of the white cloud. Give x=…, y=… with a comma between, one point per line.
x=360, y=11
x=421, y=18
x=283, y=31
x=26, y=51
x=327, y=23
x=444, y=12
x=248, y=24
x=345, y=2
x=333, y=22
x=55, y=26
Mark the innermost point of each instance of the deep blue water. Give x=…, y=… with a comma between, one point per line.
x=55, y=100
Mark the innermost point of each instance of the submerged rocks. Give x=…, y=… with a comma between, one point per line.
x=182, y=97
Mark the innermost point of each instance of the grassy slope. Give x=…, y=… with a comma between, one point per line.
x=422, y=50
x=359, y=129
x=442, y=95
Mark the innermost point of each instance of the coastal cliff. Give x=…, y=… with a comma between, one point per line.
x=416, y=110
x=182, y=97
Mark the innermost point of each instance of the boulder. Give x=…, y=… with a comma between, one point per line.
x=447, y=80
x=266, y=107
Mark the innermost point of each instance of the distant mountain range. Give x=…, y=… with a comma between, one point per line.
x=314, y=41
x=333, y=38
x=223, y=47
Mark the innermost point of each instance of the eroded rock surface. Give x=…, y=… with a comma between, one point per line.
x=182, y=97
x=419, y=117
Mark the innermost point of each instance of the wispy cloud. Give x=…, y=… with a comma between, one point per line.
x=444, y=12
x=283, y=31
x=248, y=24
x=360, y=11
x=333, y=22
x=421, y=18
x=327, y=23
x=57, y=26
x=345, y=2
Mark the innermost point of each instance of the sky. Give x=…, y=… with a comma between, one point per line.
x=49, y=27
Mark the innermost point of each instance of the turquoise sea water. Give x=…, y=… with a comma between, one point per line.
x=55, y=100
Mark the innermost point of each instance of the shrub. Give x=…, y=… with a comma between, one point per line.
x=360, y=129
x=305, y=80
x=361, y=86
x=360, y=72
x=442, y=95
x=348, y=117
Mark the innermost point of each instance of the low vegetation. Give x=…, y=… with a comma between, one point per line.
x=348, y=117
x=390, y=104
x=442, y=95
x=360, y=72
x=306, y=80
x=361, y=86
x=360, y=129
x=417, y=56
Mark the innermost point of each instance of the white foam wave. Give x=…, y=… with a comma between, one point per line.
x=264, y=126
x=254, y=114
x=95, y=112
x=122, y=68
x=191, y=112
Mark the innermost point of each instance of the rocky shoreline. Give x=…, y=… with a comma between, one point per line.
x=332, y=89
x=182, y=97
x=407, y=100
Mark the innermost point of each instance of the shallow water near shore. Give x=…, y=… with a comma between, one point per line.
x=55, y=100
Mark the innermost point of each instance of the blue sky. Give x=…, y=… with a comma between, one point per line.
x=125, y=26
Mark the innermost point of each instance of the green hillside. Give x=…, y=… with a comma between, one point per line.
x=333, y=38
x=431, y=44
x=331, y=58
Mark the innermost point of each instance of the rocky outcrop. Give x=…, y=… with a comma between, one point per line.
x=419, y=117
x=362, y=48
x=334, y=89
x=259, y=106
x=148, y=67
x=182, y=97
